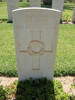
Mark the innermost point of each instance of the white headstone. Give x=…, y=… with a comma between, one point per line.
x=35, y=3
x=58, y=4
x=73, y=17
x=36, y=34
x=11, y=5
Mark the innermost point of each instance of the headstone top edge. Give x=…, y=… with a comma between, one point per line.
x=36, y=8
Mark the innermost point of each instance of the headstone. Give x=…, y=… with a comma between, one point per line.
x=73, y=17
x=36, y=34
x=58, y=5
x=11, y=5
x=35, y=3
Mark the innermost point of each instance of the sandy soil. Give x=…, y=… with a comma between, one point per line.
x=66, y=82
x=5, y=81
x=67, y=23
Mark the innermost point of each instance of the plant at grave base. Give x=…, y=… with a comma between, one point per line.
x=11, y=90
x=2, y=93
x=38, y=89
x=73, y=86
x=67, y=18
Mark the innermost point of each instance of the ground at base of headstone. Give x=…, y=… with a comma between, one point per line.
x=67, y=23
x=68, y=84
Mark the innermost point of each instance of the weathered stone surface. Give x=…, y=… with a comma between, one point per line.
x=11, y=5
x=35, y=3
x=36, y=34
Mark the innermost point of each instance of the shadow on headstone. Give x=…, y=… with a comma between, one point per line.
x=38, y=89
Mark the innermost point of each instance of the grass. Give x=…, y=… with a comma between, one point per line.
x=7, y=54
x=73, y=85
x=67, y=13
x=3, y=11
x=39, y=89
x=65, y=60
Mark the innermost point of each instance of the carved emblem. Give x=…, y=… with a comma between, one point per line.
x=36, y=47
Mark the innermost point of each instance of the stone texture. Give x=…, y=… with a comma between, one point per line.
x=35, y=3
x=11, y=5
x=58, y=4
x=73, y=17
x=36, y=34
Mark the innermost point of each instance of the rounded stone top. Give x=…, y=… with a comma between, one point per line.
x=36, y=8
